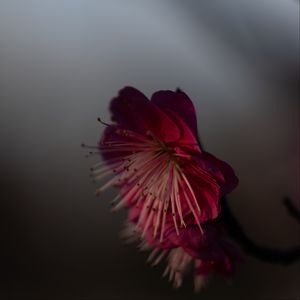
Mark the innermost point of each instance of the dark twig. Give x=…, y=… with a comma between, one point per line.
x=291, y=208
x=235, y=230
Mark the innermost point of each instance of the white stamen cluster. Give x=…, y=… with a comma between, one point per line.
x=150, y=176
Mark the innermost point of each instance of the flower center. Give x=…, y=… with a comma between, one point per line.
x=150, y=178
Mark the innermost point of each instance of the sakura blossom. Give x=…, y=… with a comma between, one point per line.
x=151, y=152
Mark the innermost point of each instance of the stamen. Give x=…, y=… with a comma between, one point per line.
x=99, y=120
x=190, y=189
x=107, y=185
x=101, y=176
x=88, y=146
x=149, y=219
x=133, y=134
x=173, y=204
x=193, y=211
x=152, y=254
x=126, y=198
x=166, y=206
x=160, y=257
x=149, y=200
x=176, y=195
x=109, y=162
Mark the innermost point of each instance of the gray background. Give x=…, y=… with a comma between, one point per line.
x=60, y=64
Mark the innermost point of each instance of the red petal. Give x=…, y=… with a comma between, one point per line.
x=132, y=110
x=226, y=175
x=179, y=103
x=187, y=139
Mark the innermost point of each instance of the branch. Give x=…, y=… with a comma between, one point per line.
x=278, y=256
x=291, y=208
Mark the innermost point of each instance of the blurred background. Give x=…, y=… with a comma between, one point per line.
x=61, y=62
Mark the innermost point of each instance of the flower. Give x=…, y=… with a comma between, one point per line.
x=153, y=154
x=205, y=254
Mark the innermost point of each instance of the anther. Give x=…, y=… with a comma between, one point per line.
x=99, y=120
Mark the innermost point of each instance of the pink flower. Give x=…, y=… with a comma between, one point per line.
x=153, y=154
x=205, y=254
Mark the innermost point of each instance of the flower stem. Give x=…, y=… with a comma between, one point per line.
x=271, y=255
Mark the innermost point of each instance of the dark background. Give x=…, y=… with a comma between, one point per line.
x=60, y=64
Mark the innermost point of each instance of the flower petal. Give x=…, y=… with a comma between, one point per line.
x=179, y=103
x=225, y=174
x=187, y=141
x=132, y=110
